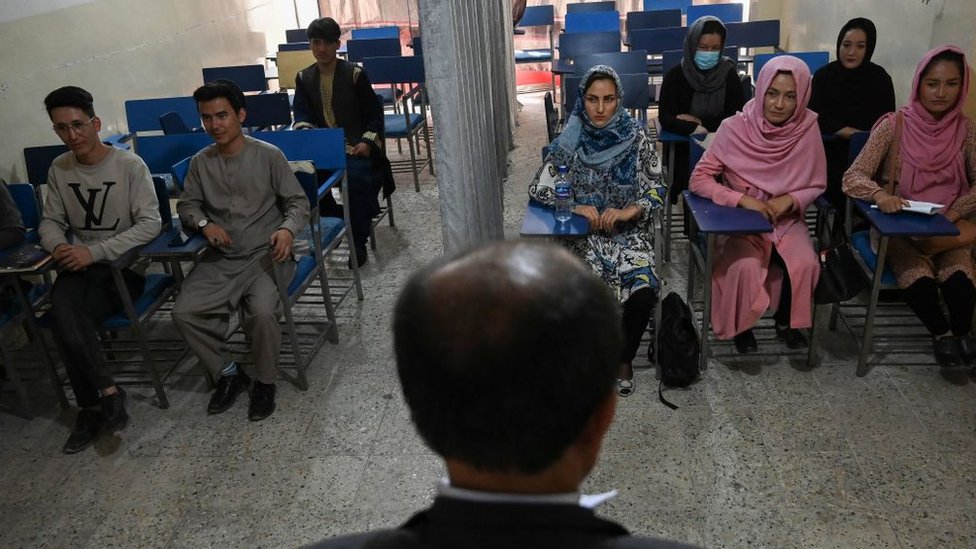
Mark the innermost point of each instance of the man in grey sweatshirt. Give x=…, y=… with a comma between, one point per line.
x=105, y=198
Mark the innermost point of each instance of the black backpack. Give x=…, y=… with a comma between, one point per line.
x=678, y=349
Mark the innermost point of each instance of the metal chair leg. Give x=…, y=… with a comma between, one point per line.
x=862, y=359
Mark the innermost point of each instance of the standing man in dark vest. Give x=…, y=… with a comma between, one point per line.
x=104, y=198
x=334, y=93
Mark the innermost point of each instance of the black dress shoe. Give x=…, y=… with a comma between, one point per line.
x=967, y=348
x=794, y=338
x=262, y=401
x=113, y=411
x=228, y=387
x=87, y=425
x=947, y=351
x=746, y=342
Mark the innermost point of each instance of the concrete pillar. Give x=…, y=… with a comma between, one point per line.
x=470, y=78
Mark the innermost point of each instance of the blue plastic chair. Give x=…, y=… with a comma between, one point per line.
x=408, y=72
x=591, y=7
x=582, y=43
x=142, y=115
x=25, y=197
x=667, y=5
x=160, y=152
x=598, y=21
x=536, y=16
x=296, y=35
x=753, y=34
x=813, y=59
x=247, y=77
x=359, y=49
x=294, y=46
x=268, y=110
x=172, y=123
x=390, y=31
x=655, y=19
x=633, y=61
x=38, y=161
x=726, y=13
x=657, y=41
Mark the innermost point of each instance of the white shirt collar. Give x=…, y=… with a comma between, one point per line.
x=444, y=488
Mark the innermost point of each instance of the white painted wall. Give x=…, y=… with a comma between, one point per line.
x=118, y=50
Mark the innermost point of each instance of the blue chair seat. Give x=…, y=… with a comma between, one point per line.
x=533, y=56
x=385, y=95
x=861, y=241
x=156, y=285
x=331, y=226
x=396, y=126
x=306, y=264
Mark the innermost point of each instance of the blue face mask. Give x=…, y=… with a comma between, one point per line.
x=706, y=59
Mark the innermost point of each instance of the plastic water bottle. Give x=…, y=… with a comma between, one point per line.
x=564, y=196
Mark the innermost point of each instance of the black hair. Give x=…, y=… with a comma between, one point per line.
x=599, y=75
x=945, y=55
x=324, y=28
x=70, y=96
x=714, y=27
x=505, y=353
x=220, y=88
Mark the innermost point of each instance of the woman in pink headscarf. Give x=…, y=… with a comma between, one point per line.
x=768, y=158
x=936, y=162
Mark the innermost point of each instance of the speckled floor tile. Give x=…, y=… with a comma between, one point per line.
x=935, y=528
x=805, y=427
x=919, y=480
x=826, y=480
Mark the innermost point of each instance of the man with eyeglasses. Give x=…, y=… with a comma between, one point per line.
x=104, y=198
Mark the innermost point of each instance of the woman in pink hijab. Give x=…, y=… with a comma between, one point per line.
x=768, y=158
x=936, y=163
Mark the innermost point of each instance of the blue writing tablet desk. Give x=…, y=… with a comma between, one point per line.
x=160, y=250
x=712, y=220
x=901, y=224
x=540, y=221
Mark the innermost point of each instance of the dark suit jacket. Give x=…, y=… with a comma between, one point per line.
x=454, y=523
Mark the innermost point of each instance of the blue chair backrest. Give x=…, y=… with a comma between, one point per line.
x=173, y=123
x=666, y=5
x=600, y=21
x=26, y=200
x=574, y=45
x=726, y=13
x=637, y=94
x=358, y=49
x=160, y=152
x=296, y=35
x=537, y=16
x=813, y=59
x=38, y=161
x=395, y=70
x=655, y=19
x=418, y=46
x=294, y=46
x=247, y=77
x=267, y=109
x=178, y=171
x=390, y=31
x=324, y=146
x=571, y=89
x=142, y=115
x=672, y=58
x=696, y=150
x=657, y=41
x=634, y=61
x=590, y=7
x=858, y=140
x=162, y=196
x=753, y=34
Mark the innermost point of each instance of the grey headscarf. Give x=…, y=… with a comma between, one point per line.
x=709, y=86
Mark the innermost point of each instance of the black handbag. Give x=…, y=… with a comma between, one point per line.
x=840, y=274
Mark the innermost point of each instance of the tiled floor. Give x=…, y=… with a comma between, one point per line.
x=763, y=452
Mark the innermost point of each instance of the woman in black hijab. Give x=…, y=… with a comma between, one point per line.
x=699, y=93
x=849, y=94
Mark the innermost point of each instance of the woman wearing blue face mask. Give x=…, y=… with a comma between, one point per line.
x=700, y=92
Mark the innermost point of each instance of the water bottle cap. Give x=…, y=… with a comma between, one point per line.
x=562, y=169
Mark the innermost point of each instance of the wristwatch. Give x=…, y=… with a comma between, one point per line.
x=202, y=223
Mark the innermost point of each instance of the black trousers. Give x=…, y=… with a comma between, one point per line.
x=959, y=296
x=80, y=301
x=364, y=204
x=636, y=314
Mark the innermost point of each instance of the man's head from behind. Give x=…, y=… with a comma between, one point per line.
x=505, y=354
x=221, y=107
x=323, y=39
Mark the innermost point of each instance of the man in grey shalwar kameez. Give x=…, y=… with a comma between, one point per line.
x=242, y=195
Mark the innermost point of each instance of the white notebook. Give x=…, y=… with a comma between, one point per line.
x=918, y=206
